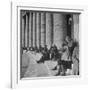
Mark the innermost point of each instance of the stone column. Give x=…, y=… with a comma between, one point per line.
x=35, y=29
x=26, y=31
x=39, y=29
x=52, y=26
x=43, y=29
x=37, y=32
x=22, y=28
x=59, y=29
x=31, y=29
x=49, y=28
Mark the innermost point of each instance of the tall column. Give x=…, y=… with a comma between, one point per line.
x=22, y=28
x=31, y=29
x=26, y=30
x=35, y=29
x=39, y=29
x=59, y=29
x=52, y=36
x=43, y=29
x=49, y=28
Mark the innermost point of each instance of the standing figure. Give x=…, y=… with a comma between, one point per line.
x=75, y=59
x=65, y=59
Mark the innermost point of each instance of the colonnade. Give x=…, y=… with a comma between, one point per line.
x=43, y=28
x=34, y=29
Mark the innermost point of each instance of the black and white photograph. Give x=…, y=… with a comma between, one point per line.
x=49, y=43
x=45, y=44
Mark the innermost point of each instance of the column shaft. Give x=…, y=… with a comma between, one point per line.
x=52, y=28
x=22, y=28
x=35, y=29
x=60, y=29
x=31, y=29
x=39, y=29
x=28, y=30
x=45, y=29
x=42, y=29
x=49, y=25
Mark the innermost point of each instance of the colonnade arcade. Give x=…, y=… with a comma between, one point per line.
x=43, y=28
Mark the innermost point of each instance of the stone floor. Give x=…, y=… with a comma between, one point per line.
x=30, y=68
x=41, y=70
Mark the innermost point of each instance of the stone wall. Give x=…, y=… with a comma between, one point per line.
x=76, y=27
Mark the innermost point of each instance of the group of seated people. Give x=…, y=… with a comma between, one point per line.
x=67, y=55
